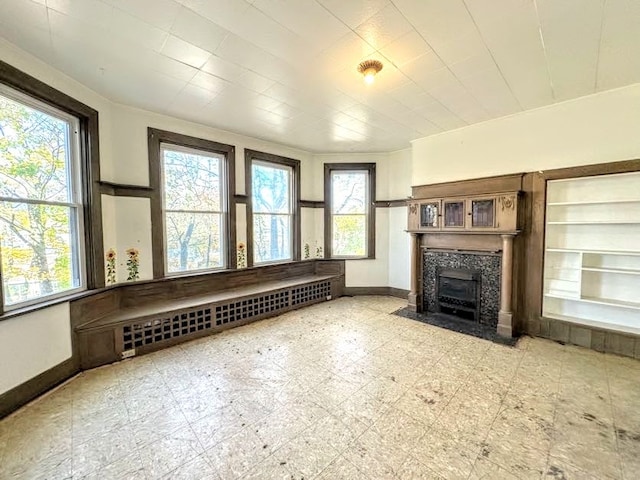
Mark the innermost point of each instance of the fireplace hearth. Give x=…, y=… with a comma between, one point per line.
x=458, y=292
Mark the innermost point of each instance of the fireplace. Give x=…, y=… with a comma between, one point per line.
x=458, y=292
x=471, y=281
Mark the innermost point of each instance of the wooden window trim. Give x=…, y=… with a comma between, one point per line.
x=249, y=156
x=89, y=168
x=155, y=138
x=370, y=168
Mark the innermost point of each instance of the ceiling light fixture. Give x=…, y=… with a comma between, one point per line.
x=369, y=68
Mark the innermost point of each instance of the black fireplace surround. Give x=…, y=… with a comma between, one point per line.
x=471, y=282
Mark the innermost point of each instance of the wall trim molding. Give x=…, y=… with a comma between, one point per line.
x=124, y=190
x=13, y=399
x=390, y=203
x=386, y=291
x=312, y=203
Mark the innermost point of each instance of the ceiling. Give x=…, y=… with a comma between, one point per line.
x=285, y=70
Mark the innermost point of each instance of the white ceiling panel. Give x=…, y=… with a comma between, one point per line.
x=286, y=70
x=195, y=29
x=571, y=30
x=384, y=27
x=354, y=12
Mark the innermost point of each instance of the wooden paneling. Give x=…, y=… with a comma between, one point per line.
x=124, y=190
x=476, y=186
x=454, y=241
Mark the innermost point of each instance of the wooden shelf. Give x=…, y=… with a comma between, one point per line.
x=626, y=271
x=600, y=252
x=598, y=301
x=607, y=222
x=591, y=202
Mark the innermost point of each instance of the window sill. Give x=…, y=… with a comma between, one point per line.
x=17, y=312
x=351, y=258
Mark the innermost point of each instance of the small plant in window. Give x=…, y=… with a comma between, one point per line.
x=307, y=252
x=111, y=266
x=133, y=263
x=319, y=252
x=242, y=255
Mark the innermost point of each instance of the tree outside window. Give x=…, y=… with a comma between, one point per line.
x=193, y=209
x=40, y=200
x=272, y=211
x=349, y=214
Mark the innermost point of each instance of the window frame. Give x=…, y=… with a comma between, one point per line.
x=370, y=232
x=156, y=138
x=223, y=208
x=87, y=172
x=277, y=160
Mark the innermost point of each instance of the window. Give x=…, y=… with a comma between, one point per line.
x=41, y=208
x=274, y=210
x=192, y=203
x=349, y=218
x=194, y=208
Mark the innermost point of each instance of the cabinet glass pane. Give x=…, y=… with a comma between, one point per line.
x=454, y=214
x=429, y=215
x=482, y=213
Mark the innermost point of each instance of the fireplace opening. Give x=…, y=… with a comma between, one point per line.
x=458, y=292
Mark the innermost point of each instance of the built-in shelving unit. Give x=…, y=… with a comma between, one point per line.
x=592, y=255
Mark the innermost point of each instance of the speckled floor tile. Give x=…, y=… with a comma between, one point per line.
x=338, y=390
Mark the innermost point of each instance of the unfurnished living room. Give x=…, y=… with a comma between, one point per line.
x=320, y=239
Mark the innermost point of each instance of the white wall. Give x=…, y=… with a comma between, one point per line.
x=399, y=256
x=595, y=129
x=33, y=343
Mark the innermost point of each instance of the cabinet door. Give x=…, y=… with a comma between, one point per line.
x=453, y=213
x=430, y=215
x=483, y=212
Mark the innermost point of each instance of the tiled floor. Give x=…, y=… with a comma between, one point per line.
x=338, y=390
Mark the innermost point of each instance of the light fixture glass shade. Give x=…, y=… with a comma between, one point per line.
x=370, y=75
x=369, y=69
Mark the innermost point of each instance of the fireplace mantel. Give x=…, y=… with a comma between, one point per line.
x=483, y=219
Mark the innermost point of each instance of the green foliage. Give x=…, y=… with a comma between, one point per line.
x=35, y=239
x=193, y=203
x=271, y=195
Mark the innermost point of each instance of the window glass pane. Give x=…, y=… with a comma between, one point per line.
x=271, y=188
x=348, y=192
x=192, y=181
x=34, y=151
x=349, y=235
x=38, y=250
x=271, y=237
x=194, y=241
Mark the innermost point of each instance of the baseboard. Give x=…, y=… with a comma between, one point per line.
x=18, y=396
x=387, y=291
x=599, y=339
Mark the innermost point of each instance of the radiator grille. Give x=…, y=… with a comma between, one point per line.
x=190, y=322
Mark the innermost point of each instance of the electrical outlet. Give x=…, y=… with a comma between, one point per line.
x=128, y=353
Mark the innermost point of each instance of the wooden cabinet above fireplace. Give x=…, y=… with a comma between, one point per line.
x=466, y=214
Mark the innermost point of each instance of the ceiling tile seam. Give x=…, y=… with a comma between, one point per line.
x=604, y=9
x=444, y=63
x=544, y=49
x=341, y=21
x=46, y=7
x=492, y=57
